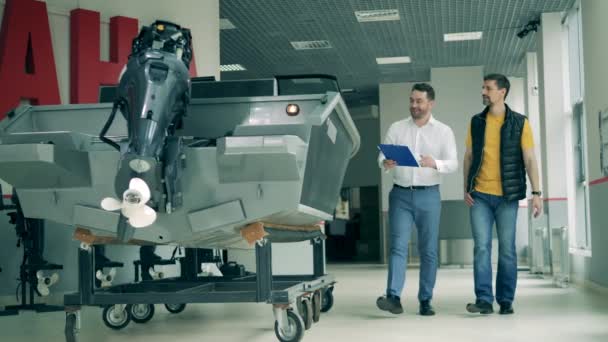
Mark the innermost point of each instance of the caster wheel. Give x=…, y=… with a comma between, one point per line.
x=316, y=306
x=327, y=299
x=140, y=313
x=71, y=327
x=305, y=310
x=294, y=331
x=114, y=318
x=175, y=308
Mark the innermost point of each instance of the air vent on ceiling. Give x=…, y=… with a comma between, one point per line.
x=377, y=15
x=232, y=67
x=311, y=45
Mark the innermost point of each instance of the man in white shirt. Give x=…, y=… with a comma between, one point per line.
x=415, y=197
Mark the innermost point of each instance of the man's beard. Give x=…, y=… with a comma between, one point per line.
x=485, y=100
x=417, y=115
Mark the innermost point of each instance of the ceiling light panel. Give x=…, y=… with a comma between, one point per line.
x=460, y=36
x=377, y=15
x=394, y=60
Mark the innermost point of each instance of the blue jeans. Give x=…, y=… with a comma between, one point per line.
x=487, y=210
x=406, y=208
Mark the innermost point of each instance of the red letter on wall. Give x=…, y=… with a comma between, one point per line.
x=192, y=70
x=87, y=72
x=27, y=64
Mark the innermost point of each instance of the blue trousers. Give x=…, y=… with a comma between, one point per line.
x=487, y=210
x=406, y=208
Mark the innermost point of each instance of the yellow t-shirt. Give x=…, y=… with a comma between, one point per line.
x=488, y=179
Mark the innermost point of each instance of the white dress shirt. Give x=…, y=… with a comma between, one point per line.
x=434, y=139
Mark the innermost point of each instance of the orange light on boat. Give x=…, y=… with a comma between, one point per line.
x=292, y=109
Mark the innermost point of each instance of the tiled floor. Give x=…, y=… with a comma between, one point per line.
x=543, y=313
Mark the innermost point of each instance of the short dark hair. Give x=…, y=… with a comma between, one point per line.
x=501, y=81
x=425, y=87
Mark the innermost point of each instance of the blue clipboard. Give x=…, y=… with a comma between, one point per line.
x=399, y=153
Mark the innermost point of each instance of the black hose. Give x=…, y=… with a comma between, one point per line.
x=106, y=127
x=17, y=291
x=174, y=252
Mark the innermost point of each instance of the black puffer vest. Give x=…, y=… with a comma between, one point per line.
x=512, y=167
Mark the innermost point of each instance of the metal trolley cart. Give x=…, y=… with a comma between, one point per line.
x=297, y=301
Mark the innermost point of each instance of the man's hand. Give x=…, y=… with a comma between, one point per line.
x=537, y=205
x=389, y=164
x=468, y=199
x=428, y=161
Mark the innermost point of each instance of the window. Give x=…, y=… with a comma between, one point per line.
x=578, y=187
x=603, y=118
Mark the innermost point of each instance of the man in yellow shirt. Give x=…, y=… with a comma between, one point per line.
x=499, y=152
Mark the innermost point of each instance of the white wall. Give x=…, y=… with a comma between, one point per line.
x=202, y=17
x=516, y=99
x=595, y=54
x=552, y=115
x=596, y=73
x=532, y=110
x=458, y=98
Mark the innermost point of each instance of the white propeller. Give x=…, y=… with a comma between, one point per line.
x=133, y=205
x=106, y=279
x=45, y=282
x=156, y=274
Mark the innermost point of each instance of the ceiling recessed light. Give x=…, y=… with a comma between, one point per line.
x=226, y=24
x=394, y=60
x=232, y=67
x=460, y=36
x=377, y=15
x=311, y=45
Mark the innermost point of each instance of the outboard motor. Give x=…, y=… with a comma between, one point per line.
x=153, y=95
